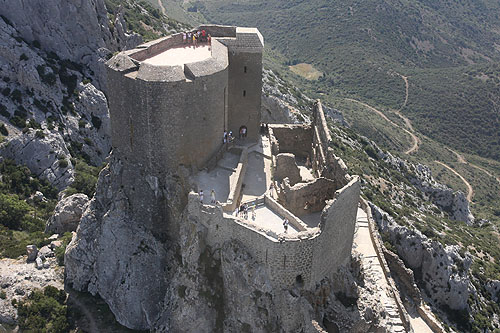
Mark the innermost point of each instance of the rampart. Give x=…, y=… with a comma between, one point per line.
x=304, y=259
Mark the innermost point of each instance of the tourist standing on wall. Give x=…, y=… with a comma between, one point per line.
x=212, y=196
x=201, y=196
x=189, y=37
x=183, y=38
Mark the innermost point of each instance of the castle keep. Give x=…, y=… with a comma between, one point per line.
x=170, y=111
x=170, y=104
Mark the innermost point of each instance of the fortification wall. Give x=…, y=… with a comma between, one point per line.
x=323, y=159
x=160, y=120
x=337, y=231
x=151, y=126
x=309, y=254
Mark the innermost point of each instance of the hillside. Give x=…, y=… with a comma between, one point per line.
x=359, y=45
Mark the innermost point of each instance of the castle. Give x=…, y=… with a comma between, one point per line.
x=170, y=113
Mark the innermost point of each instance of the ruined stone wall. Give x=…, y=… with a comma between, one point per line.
x=337, y=231
x=323, y=159
x=294, y=139
x=314, y=193
x=310, y=255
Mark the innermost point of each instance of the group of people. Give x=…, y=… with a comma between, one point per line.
x=242, y=211
x=196, y=37
x=212, y=196
x=264, y=128
x=228, y=137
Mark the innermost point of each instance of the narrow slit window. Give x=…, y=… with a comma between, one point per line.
x=244, y=93
x=245, y=69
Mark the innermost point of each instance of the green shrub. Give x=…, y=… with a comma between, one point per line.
x=63, y=164
x=65, y=239
x=17, y=96
x=39, y=134
x=85, y=179
x=12, y=210
x=23, y=57
x=3, y=295
x=44, y=311
x=3, y=129
x=3, y=111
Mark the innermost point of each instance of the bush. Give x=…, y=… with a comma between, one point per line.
x=3, y=295
x=63, y=164
x=44, y=311
x=85, y=179
x=23, y=57
x=3, y=130
x=3, y=111
x=39, y=134
x=66, y=238
x=12, y=210
x=17, y=96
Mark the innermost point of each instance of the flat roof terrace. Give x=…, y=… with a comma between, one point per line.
x=180, y=55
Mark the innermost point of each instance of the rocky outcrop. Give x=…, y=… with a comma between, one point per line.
x=42, y=91
x=19, y=278
x=453, y=202
x=441, y=271
x=74, y=30
x=67, y=214
x=42, y=154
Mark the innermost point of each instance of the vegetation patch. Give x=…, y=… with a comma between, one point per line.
x=307, y=71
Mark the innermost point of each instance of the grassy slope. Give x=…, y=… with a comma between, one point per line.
x=359, y=44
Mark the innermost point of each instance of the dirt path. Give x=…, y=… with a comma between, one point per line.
x=461, y=159
x=470, y=190
x=162, y=8
x=415, y=139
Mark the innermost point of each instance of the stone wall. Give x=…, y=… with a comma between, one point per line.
x=314, y=194
x=244, y=98
x=166, y=116
x=304, y=259
x=150, y=124
x=294, y=139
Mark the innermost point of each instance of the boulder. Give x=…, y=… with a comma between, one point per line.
x=39, y=263
x=32, y=252
x=46, y=252
x=67, y=214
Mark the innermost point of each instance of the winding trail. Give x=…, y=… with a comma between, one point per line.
x=470, y=190
x=461, y=159
x=415, y=139
x=164, y=12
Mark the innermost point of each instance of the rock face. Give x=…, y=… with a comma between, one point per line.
x=453, y=202
x=42, y=156
x=75, y=30
x=19, y=278
x=52, y=56
x=442, y=271
x=177, y=283
x=67, y=214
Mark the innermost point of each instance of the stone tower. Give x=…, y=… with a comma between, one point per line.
x=170, y=102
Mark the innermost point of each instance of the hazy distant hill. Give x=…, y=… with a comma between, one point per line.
x=450, y=50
